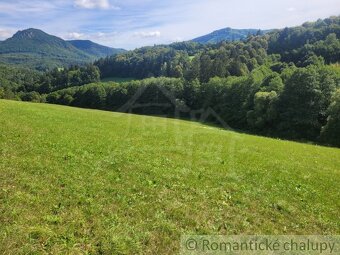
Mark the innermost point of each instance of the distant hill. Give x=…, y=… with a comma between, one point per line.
x=228, y=34
x=94, y=49
x=36, y=49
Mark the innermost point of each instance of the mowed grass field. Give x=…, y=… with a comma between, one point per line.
x=77, y=181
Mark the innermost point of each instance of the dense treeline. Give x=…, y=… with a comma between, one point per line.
x=204, y=62
x=14, y=80
x=28, y=85
x=63, y=78
x=190, y=60
x=295, y=103
x=146, y=62
x=318, y=38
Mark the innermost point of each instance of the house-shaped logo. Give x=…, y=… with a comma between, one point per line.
x=179, y=107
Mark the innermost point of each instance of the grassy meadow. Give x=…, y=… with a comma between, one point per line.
x=77, y=181
x=117, y=79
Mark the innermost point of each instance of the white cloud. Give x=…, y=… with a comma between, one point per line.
x=99, y=37
x=94, y=4
x=151, y=34
x=100, y=34
x=177, y=39
x=75, y=35
x=291, y=9
x=35, y=6
x=6, y=33
x=104, y=36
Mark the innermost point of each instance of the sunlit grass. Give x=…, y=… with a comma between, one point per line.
x=117, y=79
x=76, y=181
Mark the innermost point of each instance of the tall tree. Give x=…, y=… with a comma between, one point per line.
x=331, y=132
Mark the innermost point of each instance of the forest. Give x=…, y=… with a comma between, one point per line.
x=283, y=84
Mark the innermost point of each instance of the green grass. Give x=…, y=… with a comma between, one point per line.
x=76, y=181
x=117, y=79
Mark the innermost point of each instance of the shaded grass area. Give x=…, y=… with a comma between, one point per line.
x=117, y=79
x=76, y=181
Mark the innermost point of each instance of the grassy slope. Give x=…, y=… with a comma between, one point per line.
x=117, y=79
x=74, y=180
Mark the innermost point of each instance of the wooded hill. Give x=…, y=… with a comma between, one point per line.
x=35, y=49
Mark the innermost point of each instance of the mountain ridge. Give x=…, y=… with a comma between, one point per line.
x=39, y=50
x=228, y=34
x=95, y=48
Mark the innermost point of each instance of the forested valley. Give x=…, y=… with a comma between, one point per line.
x=283, y=84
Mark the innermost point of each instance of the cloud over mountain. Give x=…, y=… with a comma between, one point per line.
x=150, y=34
x=94, y=4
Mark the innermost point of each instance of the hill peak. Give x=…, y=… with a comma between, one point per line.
x=228, y=34
x=37, y=49
x=29, y=33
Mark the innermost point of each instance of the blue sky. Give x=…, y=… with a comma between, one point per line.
x=134, y=23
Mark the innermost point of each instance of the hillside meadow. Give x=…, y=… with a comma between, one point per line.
x=77, y=181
